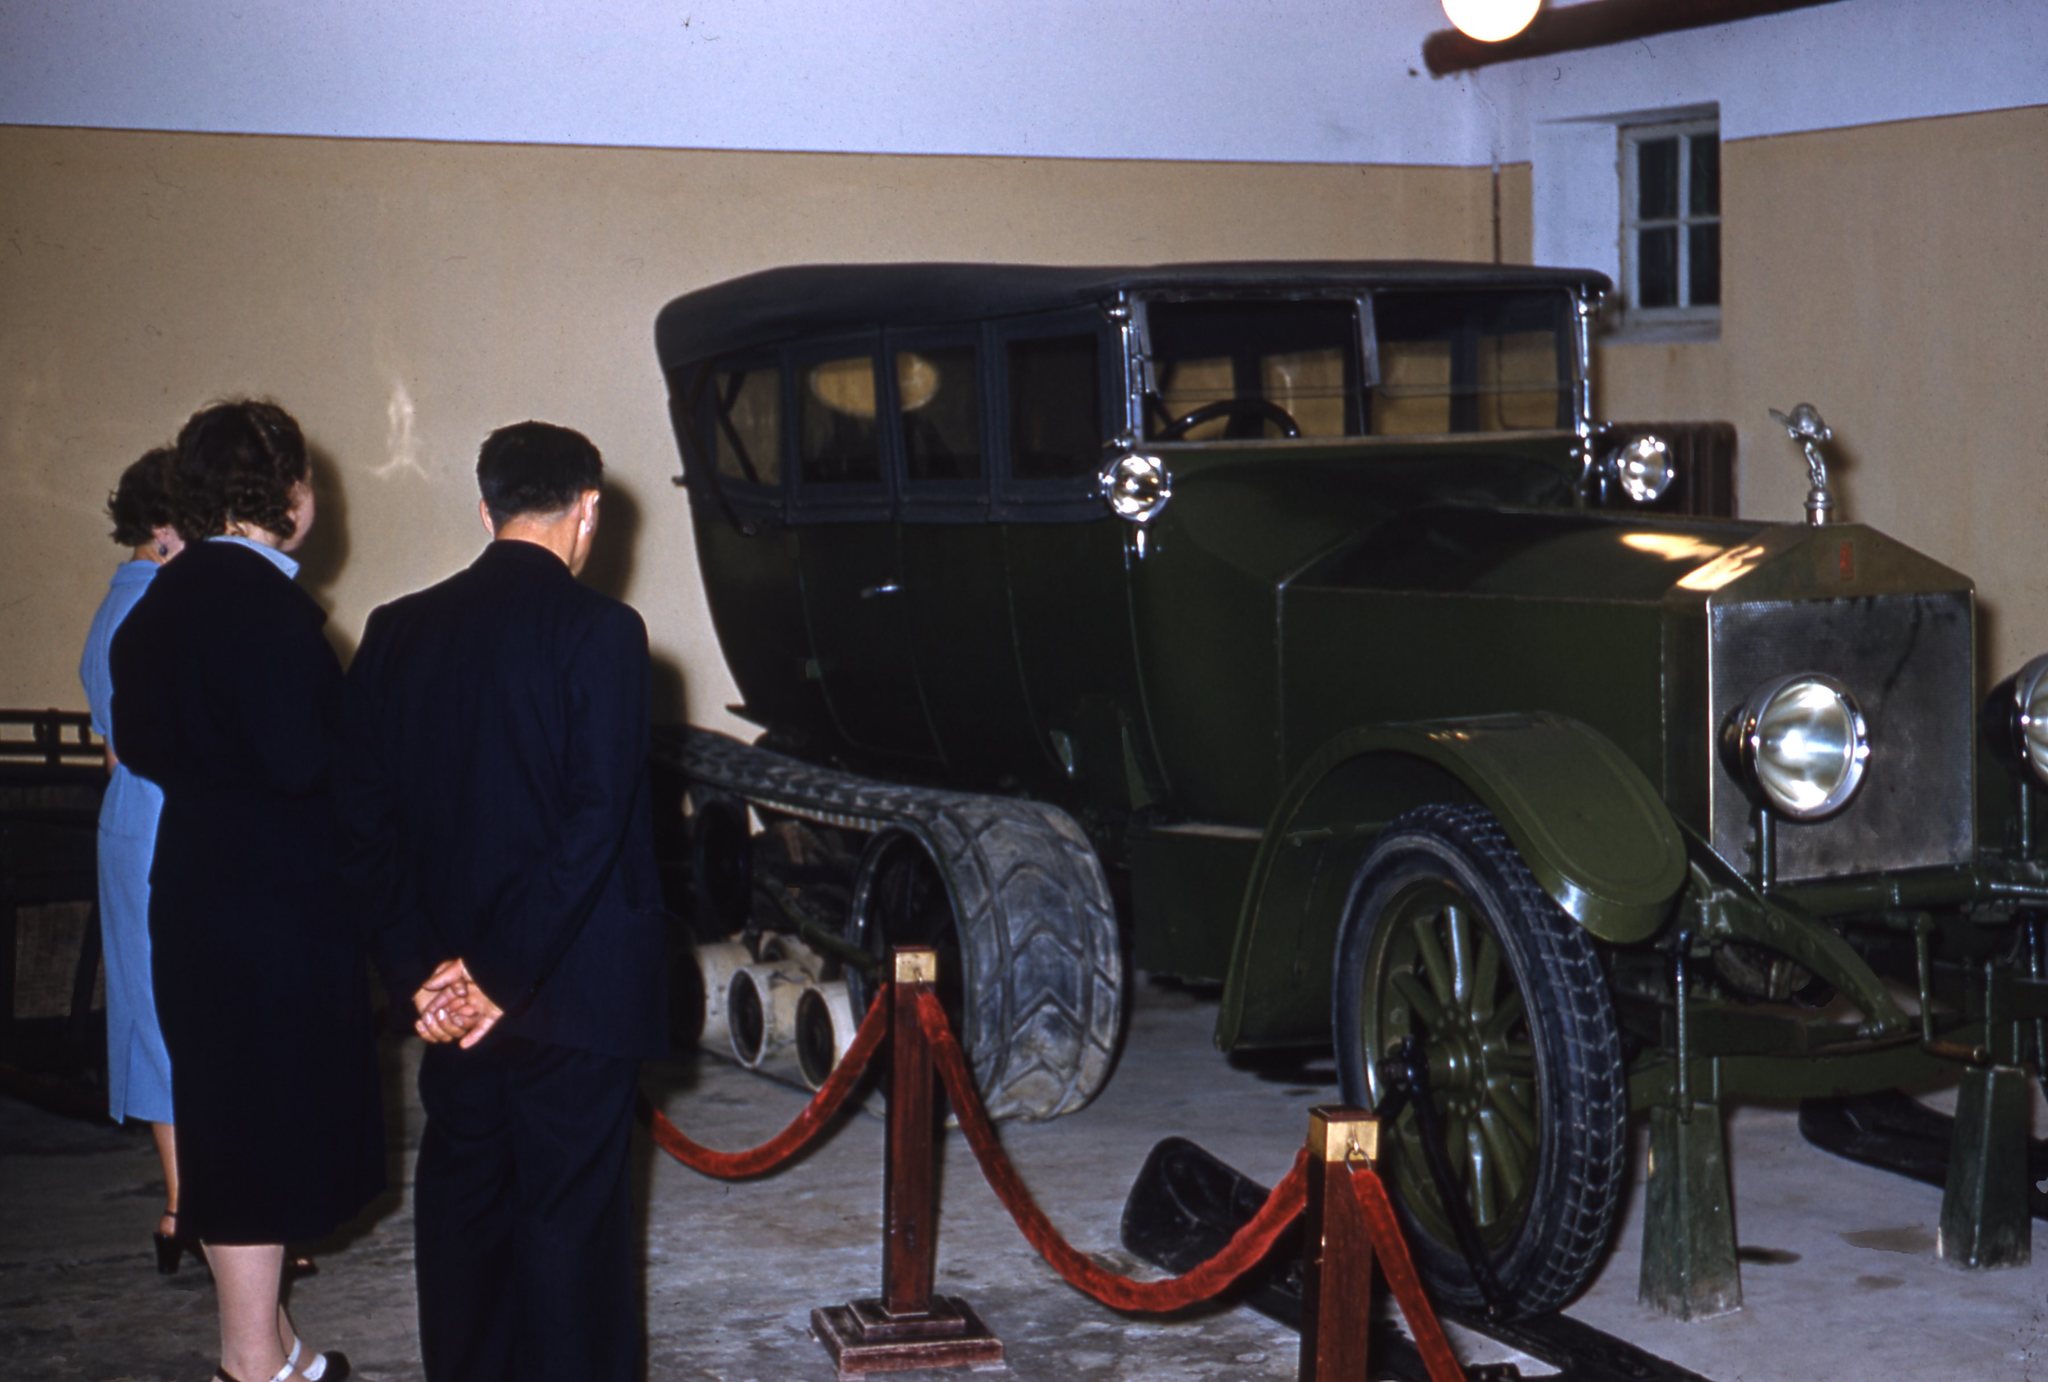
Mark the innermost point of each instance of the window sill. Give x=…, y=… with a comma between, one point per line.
x=1655, y=332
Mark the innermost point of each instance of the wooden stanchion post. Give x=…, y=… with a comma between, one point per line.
x=908, y=1326
x=1336, y=1315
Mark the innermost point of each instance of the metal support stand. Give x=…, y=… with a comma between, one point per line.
x=1689, y=1268
x=1336, y=1253
x=908, y=1326
x=1985, y=1211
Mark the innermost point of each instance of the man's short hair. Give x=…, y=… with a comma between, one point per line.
x=535, y=468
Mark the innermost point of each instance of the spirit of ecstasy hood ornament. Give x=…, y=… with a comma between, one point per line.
x=1804, y=426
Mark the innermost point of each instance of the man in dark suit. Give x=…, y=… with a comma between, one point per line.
x=494, y=803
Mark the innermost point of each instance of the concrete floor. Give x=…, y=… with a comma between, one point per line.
x=1841, y=1281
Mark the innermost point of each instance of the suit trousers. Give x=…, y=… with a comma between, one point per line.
x=523, y=1214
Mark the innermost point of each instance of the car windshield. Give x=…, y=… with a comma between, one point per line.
x=1443, y=362
x=1471, y=362
x=1224, y=368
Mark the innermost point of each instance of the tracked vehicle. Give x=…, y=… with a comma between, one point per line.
x=1295, y=627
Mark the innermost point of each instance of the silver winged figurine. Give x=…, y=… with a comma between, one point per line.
x=1804, y=425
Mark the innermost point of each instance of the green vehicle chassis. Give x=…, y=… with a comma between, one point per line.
x=1294, y=627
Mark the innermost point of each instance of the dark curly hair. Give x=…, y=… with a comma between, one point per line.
x=141, y=502
x=535, y=468
x=237, y=463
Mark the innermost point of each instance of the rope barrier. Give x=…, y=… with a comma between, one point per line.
x=1369, y=1195
x=803, y=1130
x=1244, y=1251
x=1363, y=1190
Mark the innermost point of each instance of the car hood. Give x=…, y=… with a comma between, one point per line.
x=1530, y=554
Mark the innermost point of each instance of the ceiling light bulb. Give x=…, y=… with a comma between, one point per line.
x=1491, y=21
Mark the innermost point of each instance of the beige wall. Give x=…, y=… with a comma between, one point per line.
x=404, y=298
x=1893, y=276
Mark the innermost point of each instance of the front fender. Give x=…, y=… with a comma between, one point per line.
x=1592, y=829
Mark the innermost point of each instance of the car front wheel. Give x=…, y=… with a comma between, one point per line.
x=1460, y=982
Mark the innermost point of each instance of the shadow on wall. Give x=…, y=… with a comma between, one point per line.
x=325, y=552
x=610, y=569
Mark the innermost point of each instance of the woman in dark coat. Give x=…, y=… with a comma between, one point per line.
x=225, y=695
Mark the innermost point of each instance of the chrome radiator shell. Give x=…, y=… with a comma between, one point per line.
x=1909, y=660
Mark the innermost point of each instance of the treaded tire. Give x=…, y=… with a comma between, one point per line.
x=1040, y=999
x=1534, y=1102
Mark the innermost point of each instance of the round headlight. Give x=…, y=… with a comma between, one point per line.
x=2030, y=715
x=1136, y=486
x=1803, y=744
x=1644, y=468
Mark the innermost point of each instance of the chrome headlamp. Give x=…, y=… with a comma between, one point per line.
x=1801, y=745
x=1136, y=486
x=2030, y=715
x=1644, y=468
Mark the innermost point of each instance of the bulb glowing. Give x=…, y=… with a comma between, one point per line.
x=1491, y=21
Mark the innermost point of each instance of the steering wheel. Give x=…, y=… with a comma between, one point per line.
x=1231, y=407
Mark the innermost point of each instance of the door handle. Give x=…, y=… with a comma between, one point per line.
x=881, y=588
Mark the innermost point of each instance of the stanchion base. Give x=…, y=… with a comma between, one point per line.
x=862, y=1337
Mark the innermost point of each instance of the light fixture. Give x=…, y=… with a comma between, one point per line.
x=1491, y=21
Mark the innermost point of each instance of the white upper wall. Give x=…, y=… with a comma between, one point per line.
x=1855, y=62
x=1312, y=81
x=1309, y=81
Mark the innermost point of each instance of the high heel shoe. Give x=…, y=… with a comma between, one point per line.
x=331, y=1366
x=171, y=1247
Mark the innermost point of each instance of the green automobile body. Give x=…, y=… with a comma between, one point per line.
x=1241, y=565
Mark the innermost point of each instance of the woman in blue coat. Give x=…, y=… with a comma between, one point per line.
x=138, y=1069
x=226, y=694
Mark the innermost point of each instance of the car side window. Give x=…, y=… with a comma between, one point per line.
x=1055, y=406
x=744, y=409
x=938, y=402
x=839, y=438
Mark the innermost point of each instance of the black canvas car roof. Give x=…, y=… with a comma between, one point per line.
x=822, y=299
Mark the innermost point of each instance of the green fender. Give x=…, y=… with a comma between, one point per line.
x=1592, y=829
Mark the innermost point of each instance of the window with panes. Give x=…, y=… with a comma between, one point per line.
x=1671, y=221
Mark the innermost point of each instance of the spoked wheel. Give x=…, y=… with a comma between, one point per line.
x=1453, y=960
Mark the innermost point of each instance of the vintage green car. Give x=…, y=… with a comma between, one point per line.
x=1294, y=627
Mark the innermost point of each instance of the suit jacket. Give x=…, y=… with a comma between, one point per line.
x=494, y=799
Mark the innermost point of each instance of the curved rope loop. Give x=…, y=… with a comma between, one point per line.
x=803, y=1130
x=1244, y=1251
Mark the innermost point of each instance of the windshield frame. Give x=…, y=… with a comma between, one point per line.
x=1143, y=394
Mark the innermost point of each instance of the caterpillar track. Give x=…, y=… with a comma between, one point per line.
x=1043, y=984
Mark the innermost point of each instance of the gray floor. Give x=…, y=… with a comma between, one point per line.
x=1841, y=1281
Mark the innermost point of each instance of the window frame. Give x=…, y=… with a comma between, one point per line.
x=1630, y=136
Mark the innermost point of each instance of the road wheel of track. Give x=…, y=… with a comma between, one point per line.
x=1011, y=895
x=1447, y=938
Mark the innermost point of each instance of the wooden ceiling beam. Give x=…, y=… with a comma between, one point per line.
x=1594, y=24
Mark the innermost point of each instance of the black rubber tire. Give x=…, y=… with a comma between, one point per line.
x=1533, y=1098
x=1030, y=967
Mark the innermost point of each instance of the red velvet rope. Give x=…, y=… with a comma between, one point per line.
x=1239, y=1255
x=802, y=1131
x=1369, y=1195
